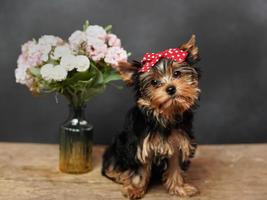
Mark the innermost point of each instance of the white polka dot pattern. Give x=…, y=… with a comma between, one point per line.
x=150, y=59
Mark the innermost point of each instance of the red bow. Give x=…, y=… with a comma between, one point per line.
x=150, y=59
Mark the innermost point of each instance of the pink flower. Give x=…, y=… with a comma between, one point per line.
x=34, y=54
x=31, y=53
x=113, y=40
x=28, y=45
x=29, y=57
x=115, y=55
x=21, y=72
x=96, y=48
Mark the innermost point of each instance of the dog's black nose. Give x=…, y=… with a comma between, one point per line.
x=171, y=90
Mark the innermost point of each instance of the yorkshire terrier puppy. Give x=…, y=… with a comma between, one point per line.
x=157, y=134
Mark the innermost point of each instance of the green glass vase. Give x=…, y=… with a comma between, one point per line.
x=76, y=141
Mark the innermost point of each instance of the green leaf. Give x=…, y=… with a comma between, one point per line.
x=98, y=76
x=90, y=92
x=86, y=25
x=35, y=71
x=80, y=87
x=112, y=77
x=78, y=76
x=108, y=28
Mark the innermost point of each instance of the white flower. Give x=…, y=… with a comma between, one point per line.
x=113, y=40
x=60, y=73
x=76, y=39
x=61, y=51
x=46, y=71
x=20, y=75
x=115, y=55
x=50, y=72
x=82, y=63
x=45, y=44
x=35, y=54
x=68, y=62
x=96, y=32
x=50, y=40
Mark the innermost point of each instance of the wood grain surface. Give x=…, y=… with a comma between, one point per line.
x=30, y=171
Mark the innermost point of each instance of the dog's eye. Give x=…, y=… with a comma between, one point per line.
x=155, y=82
x=176, y=74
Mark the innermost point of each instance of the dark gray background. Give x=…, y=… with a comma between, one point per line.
x=232, y=40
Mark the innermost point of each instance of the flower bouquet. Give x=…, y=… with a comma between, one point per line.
x=79, y=69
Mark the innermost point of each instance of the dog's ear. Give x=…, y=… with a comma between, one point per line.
x=127, y=71
x=192, y=49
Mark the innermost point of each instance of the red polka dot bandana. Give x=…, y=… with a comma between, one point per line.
x=150, y=59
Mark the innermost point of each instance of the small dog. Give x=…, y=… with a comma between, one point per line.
x=157, y=137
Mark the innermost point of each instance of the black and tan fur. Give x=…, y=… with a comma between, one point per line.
x=157, y=133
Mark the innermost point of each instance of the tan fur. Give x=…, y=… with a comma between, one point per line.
x=164, y=106
x=156, y=99
x=188, y=90
x=137, y=185
x=154, y=144
x=187, y=94
x=134, y=183
x=126, y=71
x=190, y=45
x=179, y=139
x=173, y=180
x=119, y=176
x=166, y=114
x=172, y=177
x=176, y=146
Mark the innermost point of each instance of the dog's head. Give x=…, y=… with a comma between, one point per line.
x=170, y=87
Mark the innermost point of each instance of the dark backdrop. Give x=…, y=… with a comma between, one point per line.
x=232, y=37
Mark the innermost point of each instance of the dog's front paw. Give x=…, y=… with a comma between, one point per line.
x=186, y=190
x=133, y=192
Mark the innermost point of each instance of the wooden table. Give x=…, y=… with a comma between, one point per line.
x=29, y=171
